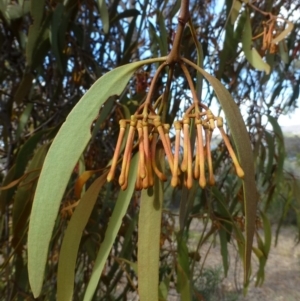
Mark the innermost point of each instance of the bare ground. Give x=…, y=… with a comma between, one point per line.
x=282, y=272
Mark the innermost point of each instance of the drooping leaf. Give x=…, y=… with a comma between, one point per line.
x=63, y=154
x=113, y=227
x=175, y=8
x=264, y=248
x=104, y=15
x=280, y=148
x=23, y=120
x=26, y=152
x=242, y=143
x=125, y=14
x=183, y=270
x=284, y=33
x=71, y=241
x=129, y=42
x=24, y=195
x=149, y=240
x=271, y=151
x=251, y=53
x=164, y=289
x=16, y=172
x=229, y=226
x=235, y=10
x=23, y=88
x=155, y=39
x=57, y=28
x=37, y=12
x=126, y=250
x=284, y=53
x=163, y=42
x=107, y=107
x=230, y=45
x=15, y=10
x=224, y=250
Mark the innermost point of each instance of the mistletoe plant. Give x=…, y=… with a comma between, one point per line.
x=141, y=156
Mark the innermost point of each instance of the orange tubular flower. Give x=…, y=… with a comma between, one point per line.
x=196, y=165
x=238, y=168
x=175, y=180
x=211, y=179
x=112, y=171
x=166, y=131
x=139, y=180
x=158, y=125
x=159, y=174
x=189, y=178
x=148, y=180
x=127, y=153
x=202, y=180
x=186, y=141
x=142, y=171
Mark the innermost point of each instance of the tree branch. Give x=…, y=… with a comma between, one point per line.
x=184, y=15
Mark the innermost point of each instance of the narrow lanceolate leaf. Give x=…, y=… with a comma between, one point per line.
x=243, y=145
x=63, y=154
x=148, y=241
x=112, y=230
x=251, y=53
x=264, y=247
x=163, y=35
x=284, y=33
x=104, y=15
x=23, y=120
x=235, y=10
x=24, y=195
x=183, y=269
x=71, y=241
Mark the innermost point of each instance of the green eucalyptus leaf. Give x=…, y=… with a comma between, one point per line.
x=37, y=13
x=183, y=269
x=15, y=11
x=23, y=88
x=284, y=33
x=71, y=241
x=163, y=35
x=271, y=152
x=107, y=107
x=36, y=10
x=24, y=195
x=235, y=10
x=112, y=230
x=224, y=250
x=23, y=120
x=280, y=148
x=104, y=15
x=148, y=241
x=283, y=50
x=264, y=249
x=125, y=14
x=56, y=28
x=251, y=53
x=61, y=159
x=164, y=289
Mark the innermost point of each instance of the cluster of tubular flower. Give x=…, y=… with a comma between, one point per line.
x=149, y=130
x=202, y=150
